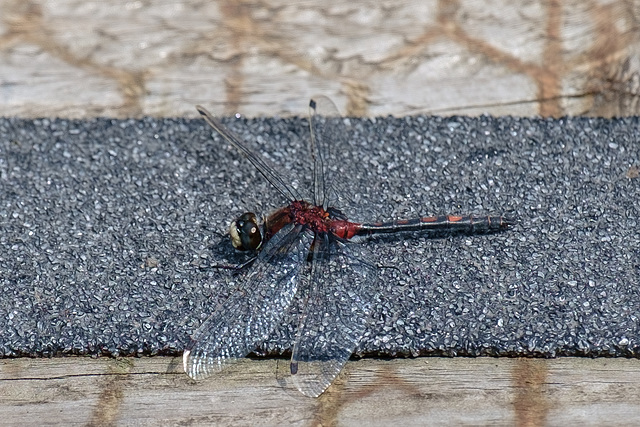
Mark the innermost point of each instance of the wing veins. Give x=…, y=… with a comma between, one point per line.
x=270, y=175
x=215, y=344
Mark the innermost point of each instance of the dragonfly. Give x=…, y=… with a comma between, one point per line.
x=307, y=248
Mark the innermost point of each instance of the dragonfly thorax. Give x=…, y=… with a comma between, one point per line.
x=314, y=217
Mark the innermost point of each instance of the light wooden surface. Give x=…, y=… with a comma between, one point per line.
x=422, y=391
x=82, y=58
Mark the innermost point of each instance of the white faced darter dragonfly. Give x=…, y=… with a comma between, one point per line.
x=338, y=284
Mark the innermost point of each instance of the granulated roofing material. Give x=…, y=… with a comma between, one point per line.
x=109, y=228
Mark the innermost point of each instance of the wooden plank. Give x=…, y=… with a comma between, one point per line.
x=79, y=58
x=482, y=391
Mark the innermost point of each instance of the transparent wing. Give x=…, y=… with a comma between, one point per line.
x=261, y=164
x=342, y=291
x=333, y=157
x=251, y=313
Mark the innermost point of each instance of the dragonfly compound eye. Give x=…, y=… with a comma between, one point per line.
x=245, y=232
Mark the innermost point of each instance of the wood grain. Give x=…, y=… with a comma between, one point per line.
x=434, y=391
x=78, y=58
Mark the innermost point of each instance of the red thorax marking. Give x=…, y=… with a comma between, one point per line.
x=314, y=217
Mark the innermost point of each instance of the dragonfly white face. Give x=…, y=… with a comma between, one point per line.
x=245, y=232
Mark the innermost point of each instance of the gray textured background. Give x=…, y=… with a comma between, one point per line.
x=108, y=228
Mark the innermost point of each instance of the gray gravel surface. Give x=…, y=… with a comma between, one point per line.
x=109, y=230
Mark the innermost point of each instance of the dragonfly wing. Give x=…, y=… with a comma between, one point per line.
x=249, y=315
x=329, y=136
x=337, y=165
x=263, y=166
x=337, y=312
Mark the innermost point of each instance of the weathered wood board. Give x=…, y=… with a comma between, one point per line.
x=78, y=58
x=422, y=391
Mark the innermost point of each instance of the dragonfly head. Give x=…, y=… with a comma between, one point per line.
x=245, y=232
